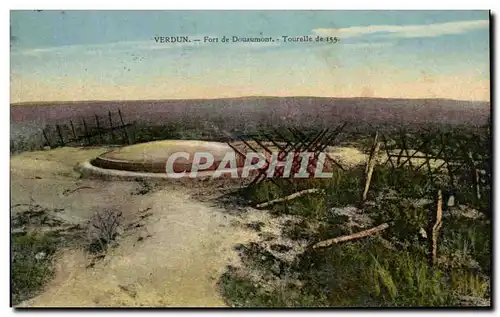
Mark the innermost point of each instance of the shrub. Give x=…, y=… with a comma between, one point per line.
x=103, y=230
x=31, y=264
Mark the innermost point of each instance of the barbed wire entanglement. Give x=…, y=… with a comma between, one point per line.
x=443, y=168
x=457, y=162
x=95, y=130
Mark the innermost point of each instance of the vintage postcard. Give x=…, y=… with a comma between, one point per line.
x=250, y=159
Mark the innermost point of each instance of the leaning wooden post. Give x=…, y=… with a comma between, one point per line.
x=386, y=146
x=60, y=134
x=124, y=127
x=46, y=138
x=436, y=223
x=405, y=147
x=370, y=167
x=372, y=149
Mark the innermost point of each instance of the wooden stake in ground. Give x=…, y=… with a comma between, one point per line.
x=99, y=132
x=386, y=147
x=111, y=127
x=372, y=149
x=73, y=130
x=437, y=219
x=87, y=136
x=361, y=234
x=46, y=138
x=124, y=128
x=61, y=139
x=475, y=175
x=289, y=197
x=369, y=171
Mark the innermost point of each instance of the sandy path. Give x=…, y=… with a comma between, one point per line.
x=179, y=265
x=184, y=245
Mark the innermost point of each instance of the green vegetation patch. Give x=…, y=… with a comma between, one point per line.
x=31, y=265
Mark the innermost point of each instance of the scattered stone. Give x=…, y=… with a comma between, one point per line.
x=40, y=256
x=423, y=233
x=356, y=217
x=466, y=211
x=451, y=201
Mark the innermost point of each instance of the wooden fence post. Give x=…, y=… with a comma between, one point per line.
x=369, y=170
x=60, y=134
x=46, y=137
x=111, y=127
x=435, y=225
x=99, y=128
x=73, y=130
x=87, y=136
x=124, y=127
x=372, y=149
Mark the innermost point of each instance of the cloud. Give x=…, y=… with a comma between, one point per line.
x=91, y=49
x=405, y=31
x=126, y=46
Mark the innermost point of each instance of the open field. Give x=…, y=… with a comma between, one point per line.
x=295, y=110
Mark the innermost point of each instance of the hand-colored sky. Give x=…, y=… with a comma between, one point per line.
x=100, y=55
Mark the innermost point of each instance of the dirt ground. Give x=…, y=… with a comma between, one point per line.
x=173, y=249
x=172, y=257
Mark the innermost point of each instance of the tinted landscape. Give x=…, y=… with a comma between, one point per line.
x=133, y=136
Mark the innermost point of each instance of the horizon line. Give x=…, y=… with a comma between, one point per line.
x=34, y=103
